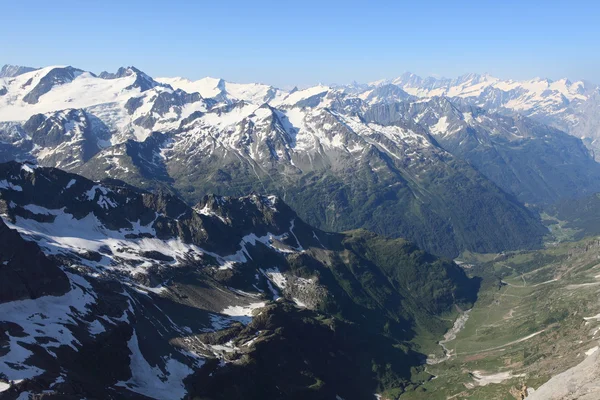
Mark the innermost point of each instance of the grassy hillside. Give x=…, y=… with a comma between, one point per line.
x=530, y=322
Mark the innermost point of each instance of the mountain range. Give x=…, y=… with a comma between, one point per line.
x=167, y=238
x=565, y=105
x=109, y=291
x=374, y=156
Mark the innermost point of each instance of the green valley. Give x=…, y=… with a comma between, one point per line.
x=536, y=316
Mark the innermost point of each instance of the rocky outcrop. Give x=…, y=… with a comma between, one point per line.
x=25, y=272
x=581, y=382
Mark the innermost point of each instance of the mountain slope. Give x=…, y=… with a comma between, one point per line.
x=341, y=173
x=10, y=71
x=536, y=163
x=569, y=106
x=316, y=148
x=187, y=298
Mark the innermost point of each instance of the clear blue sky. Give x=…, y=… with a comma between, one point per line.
x=307, y=41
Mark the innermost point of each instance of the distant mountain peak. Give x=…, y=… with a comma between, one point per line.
x=143, y=81
x=10, y=71
x=121, y=73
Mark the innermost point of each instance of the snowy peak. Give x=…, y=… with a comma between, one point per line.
x=226, y=92
x=67, y=138
x=473, y=79
x=473, y=85
x=54, y=77
x=441, y=116
x=249, y=213
x=142, y=81
x=10, y=71
x=562, y=104
x=121, y=73
x=387, y=93
x=310, y=97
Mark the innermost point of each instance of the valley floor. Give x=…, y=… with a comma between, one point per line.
x=538, y=314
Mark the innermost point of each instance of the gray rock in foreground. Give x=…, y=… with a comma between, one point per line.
x=581, y=382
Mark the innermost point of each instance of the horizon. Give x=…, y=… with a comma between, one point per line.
x=289, y=45
x=301, y=87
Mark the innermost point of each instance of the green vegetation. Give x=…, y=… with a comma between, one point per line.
x=560, y=231
x=376, y=296
x=442, y=204
x=578, y=218
x=526, y=326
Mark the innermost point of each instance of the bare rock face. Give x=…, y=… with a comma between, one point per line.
x=519, y=393
x=10, y=71
x=25, y=272
x=581, y=382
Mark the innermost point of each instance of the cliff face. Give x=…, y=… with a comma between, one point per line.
x=25, y=272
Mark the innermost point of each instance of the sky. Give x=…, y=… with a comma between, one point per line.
x=287, y=43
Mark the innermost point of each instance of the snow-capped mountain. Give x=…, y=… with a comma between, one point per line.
x=219, y=89
x=111, y=291
x=200, y=287
x=569, y=106
x=536, y=163
x=335, y=154
x=129, y=102
x=10, y=71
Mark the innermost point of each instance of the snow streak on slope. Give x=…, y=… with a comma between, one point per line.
x=152, y=381
x=56, y=314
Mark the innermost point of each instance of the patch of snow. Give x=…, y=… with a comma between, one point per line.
x=299, y=303
x=468, y=117
x=209, y=213
x=225, y=348
x=152, y=381
x=4, y=184
x=4, y=386
x=441, y=126
x=276, y=277
x=484, y=380
x=27, y=168
x=95, y=327
x=58, y=380
x=596, y=317
x=239, y=311
x=55, y=314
